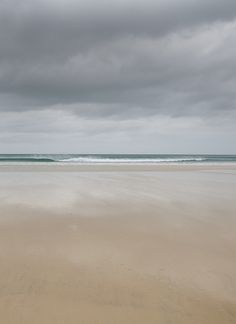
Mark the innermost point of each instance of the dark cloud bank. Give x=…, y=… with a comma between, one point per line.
x=116, y=72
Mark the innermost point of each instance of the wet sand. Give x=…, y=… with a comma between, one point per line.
x=115, y=246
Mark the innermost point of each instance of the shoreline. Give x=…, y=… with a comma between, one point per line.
x=53, y=167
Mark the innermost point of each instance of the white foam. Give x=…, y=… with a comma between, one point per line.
x=101, y=160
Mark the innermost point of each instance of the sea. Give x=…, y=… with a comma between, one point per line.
x=115, y=158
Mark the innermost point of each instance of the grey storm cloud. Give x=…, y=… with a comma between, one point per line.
x=118, y=58
x=112, y=76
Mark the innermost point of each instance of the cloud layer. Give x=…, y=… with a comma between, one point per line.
x=113, y=65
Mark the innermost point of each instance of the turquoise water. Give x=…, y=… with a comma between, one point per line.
x=116, y=158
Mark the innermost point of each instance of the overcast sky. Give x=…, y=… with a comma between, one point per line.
x=118, y=76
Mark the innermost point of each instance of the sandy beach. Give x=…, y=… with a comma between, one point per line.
x=117, y=244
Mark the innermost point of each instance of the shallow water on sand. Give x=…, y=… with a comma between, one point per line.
x=118, y=247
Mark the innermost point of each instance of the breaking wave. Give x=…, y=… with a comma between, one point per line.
x=114, y=158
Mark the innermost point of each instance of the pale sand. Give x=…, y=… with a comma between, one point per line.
x=118, y=247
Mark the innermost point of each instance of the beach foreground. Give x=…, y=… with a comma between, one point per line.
x=155, y=245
